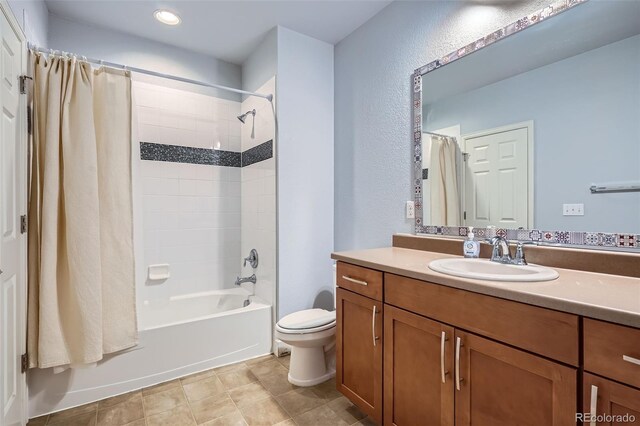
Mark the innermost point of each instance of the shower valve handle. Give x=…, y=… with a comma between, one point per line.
x=252, y=259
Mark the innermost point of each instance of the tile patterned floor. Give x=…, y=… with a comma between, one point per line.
x=255, y=392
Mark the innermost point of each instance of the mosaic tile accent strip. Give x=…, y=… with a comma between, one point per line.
x=262, y=152
x=187, y=154
x=514, y=27
x=572, y=238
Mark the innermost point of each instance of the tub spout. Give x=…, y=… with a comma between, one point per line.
x=251, y=279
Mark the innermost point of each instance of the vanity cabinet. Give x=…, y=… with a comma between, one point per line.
x=501, y=385
x=452, y=357
x=359, y=346
x=612, y=351
x=418, y=369
x=445, y=376
x=608, y=398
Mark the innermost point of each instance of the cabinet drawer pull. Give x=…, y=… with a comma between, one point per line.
x=458, y=378
x=443, y=338
x=373, y=325
x=353, y=280
x=594, y=405
x=631, y=359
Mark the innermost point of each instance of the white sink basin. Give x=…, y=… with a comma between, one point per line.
x=484, y=269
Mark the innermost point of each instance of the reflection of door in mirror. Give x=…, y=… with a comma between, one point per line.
x=497, y=184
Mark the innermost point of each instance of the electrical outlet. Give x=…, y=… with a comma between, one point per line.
x=573, y=209
x=411, y=210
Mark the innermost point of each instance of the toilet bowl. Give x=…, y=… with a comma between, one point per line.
x=311, y=335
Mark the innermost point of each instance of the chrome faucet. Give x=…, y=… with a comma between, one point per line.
x=251, y=279
x=502, y=254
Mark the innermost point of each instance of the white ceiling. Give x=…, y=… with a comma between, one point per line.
x=227, y=30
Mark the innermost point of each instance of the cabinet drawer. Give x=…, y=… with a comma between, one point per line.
x=365, y=281
x=538, y=330
x=612, y=351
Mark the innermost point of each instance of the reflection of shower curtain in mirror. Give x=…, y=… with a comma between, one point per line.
x=443, y=176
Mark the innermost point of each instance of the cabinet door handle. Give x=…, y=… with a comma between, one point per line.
x=631, y=359
x=443, y=373
x=353, y=280
x=458, y=378
x=594, y=405
x=373, y=325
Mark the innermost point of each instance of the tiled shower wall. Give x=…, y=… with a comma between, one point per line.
x=259, y=194
x=191, y=212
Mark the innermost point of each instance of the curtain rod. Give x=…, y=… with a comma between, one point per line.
x=34, y=48
x=439, y=135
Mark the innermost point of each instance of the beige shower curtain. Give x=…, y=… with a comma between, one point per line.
x=81, y=264
x=445, y=198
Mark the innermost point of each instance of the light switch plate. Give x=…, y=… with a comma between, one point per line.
x=411, y=210
x=573, y=209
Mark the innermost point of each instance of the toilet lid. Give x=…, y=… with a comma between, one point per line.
x=310, y=318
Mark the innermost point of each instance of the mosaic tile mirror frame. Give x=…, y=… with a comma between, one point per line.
x=628, y=240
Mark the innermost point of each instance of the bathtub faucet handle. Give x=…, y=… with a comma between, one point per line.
x=252, y=259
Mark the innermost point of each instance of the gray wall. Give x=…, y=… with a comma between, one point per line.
x=33, y=17
x=304, y=153
x=262, y=64
x=305, y=172
x=589, y=135
x=101, y=43
x=373, y=66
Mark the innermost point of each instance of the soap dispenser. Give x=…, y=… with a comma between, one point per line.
x=471, y=247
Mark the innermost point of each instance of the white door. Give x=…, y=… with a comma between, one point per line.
x=497, y=178
x=12, y=206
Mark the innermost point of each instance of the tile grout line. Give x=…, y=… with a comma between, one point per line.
x=144, y=410
x=232, y=401
x=193, y=417
x=274, y=397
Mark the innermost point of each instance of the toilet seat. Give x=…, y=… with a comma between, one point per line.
x=307, y=321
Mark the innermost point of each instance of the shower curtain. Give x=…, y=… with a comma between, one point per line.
x=445, y=199
x=80, y=240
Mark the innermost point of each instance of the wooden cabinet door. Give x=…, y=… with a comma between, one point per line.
x=620, y=402
x=359, y=351
x=418, y=370
x=499, y=385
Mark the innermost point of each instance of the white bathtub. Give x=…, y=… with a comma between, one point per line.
x=179, y=336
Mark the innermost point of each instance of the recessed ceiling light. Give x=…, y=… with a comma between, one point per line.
x=166, y=17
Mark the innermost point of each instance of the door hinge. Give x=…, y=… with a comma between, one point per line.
x=23, y=83
x=23, y=223
x=464, y=215
x=465, y=156
x=24, y=363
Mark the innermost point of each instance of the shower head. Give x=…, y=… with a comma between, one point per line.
x=243, y=117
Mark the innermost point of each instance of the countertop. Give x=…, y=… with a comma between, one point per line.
x=611, y=298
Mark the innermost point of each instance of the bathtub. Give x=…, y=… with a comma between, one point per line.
x=177, y=337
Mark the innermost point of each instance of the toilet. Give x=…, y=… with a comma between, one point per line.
x=311, y=334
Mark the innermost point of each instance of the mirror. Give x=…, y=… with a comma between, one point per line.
x=534, y=130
